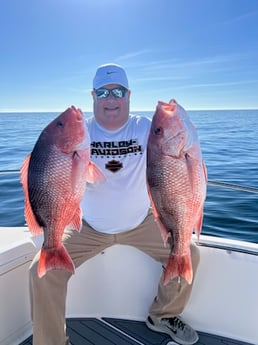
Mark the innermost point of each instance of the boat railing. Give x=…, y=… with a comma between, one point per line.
x=227, y=245
x=233, y=186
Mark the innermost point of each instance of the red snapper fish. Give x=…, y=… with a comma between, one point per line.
x=53, y=177
x=177, y=181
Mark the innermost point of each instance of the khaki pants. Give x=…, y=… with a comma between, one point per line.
x=48, y=294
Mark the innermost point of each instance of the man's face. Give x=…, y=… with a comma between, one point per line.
x=111, y=112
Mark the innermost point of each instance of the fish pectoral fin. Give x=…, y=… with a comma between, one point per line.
x=94, y=174
x=191, y=170
x=198, y=224
x=76, y=222
x=205, y=171
x=154, y=210
x=179, y=266
x=33, y=225
x=54, y=258
x=163, y=231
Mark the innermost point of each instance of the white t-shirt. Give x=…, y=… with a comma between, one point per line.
x=121, y=202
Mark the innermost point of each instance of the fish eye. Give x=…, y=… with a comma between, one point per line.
x=59, y=124
x=158, y=131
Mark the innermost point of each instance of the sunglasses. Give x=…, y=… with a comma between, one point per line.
x=117, y=92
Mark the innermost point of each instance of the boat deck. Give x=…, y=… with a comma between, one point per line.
x=107, y=331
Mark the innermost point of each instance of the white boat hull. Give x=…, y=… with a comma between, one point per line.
x=121, y=283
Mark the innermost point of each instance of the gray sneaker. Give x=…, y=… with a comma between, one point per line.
x=176, y=328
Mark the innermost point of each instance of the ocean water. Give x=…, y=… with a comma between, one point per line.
x=229, y=144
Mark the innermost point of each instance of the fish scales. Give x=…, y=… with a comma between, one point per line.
x=54, y=177
x=49, y=180
x=177, y=181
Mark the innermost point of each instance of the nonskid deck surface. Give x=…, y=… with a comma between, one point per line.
x=109, y=331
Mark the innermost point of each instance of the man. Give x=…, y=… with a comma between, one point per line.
x=114, y=211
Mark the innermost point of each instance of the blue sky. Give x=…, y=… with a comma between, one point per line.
x=203, y=53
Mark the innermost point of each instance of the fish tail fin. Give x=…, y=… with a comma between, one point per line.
x=54, y=258
x=179, y=266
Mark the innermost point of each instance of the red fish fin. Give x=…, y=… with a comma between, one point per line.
x=205, y=171
x=76, y=222
x=154, y=210
x=163, y=231
x=179, y=266
x=198, y=224
x=54, y=258
x=94, y=174
x=191, y=167
x=33, y=225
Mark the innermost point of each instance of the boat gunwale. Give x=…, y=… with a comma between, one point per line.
x=230, y=245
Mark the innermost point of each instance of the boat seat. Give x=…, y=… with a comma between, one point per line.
x=16, y=248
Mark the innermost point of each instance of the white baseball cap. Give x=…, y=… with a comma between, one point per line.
x=110, y=74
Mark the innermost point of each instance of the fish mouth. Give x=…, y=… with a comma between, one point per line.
x=78, y=112
x=167, y=108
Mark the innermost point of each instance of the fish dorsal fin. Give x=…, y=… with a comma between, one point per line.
x=33, y=225
x=94, y=174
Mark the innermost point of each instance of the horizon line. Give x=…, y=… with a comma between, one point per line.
x=131, y=111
